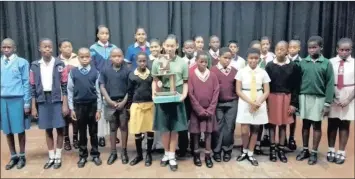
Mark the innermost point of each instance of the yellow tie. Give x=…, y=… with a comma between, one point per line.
x=253, y=92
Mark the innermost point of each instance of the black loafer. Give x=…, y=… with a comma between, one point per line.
x=57, y=163
x=282, y=156
x=136, y=160
x=67, y=145
x=13, y=162
x=208, y=161
x=292, y=144
x=303, y=155
x=272, y=156
x=217, y=157
x=227, y=156
x=102, y=142
x=124, y=157
x=112, y=158
x=331, y=156
x=49, y=164
x=148, y=160
x=173, y=167
x=82, y=162
x=253, y=160
x=197, y=160
x=242, y=157
x=340, y=159
x=21, y=163
x=97, y=161
x=313, y=158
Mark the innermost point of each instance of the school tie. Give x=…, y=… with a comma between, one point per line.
x=142, y=49
x=7, y=61
x=340, y=84
x=84, y=71
x=253, y=91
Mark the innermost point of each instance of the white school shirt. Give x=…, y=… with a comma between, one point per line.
x=239, y=63
x=151, y=57
x=192, y=61
x=346, y=113
x=47, y=74
x=244, y=75
x=269, y=57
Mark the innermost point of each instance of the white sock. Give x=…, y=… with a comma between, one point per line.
x=172, y=160
x=245, y=151
x=314, y=151
x=331, y=149
x=250, y=153
x=305, y=148
x=341, y=152
x=58, y=153
x=51, y=154
x=166, y=156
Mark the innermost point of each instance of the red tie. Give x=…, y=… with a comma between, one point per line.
x=341, y=75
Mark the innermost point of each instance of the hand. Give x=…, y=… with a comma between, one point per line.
x=34, y=113
x=291, y=110
x=182, y=98
x=73, y=115
x=113, y=104
x=27, y=111
x=120, y=105
x=344, y=103
x=325, y=110
x=208, y=114
x=98, y=115
x=65, y=110
x=254, y=107
x=337, y=102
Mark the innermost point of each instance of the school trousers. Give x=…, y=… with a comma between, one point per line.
x=85, y=114
x=223, y=139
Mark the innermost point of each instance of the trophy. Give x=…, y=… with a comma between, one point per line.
x=164, y=73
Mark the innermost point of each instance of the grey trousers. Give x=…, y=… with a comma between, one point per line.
x=223, y=139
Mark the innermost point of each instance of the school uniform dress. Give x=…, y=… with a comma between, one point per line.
x=213, y=58
x=116, y=85
x=317, y=87
x=252, y=85
x=226, y=110
x=133, y=50
x=84, y=97
x=238, y=62
x=203, y=93
x=344, y=86
x=49, y=83
x=142, y=108
x=15, y=94
x=100, y=54
x=171, y=116
x=284, y=85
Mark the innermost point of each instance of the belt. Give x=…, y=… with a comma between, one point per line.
x=47, y=92
x=244, y=89
x=346, y=85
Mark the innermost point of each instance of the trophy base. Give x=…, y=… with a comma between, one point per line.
x=167, y=99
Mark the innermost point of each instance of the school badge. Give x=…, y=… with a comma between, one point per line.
x=60, y=69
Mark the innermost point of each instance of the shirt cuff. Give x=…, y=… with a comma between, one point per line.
x=27, y=106
x=326, y=104
x=127, y=61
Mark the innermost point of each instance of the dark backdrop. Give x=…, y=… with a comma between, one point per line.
x=27, y=22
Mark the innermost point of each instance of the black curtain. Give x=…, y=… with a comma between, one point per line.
x=27, y=22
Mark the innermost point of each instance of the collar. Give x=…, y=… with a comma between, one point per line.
x=286, y=62
x=42, y=61
x=142, y=75
x=151, y=57
x=320, y=59
x=87, y=67
x=346, y=60
x=147, y=44
x=12, y=57
x=103, y=45
x=212, y=52
x=250, y=70
x=73, y=55
x=220, y=67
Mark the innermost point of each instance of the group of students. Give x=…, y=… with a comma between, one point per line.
x=101, y=90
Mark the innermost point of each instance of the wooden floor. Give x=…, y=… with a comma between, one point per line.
x=37, y=156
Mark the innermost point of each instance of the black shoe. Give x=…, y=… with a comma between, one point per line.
x=112, y=158
x=97, y=161
x=202, y=143
x=136, y=160
x=266, y=141
x=102, y=142
x=173, y=167
x=242, y=157
x=82, y=162
x=12, y=163
x=313, y=158
x=197, y=160
x=117, y=141
x=21, y=163
x=49, y=164
x=281, y=155
x=67, y=145
x=164, y=163
x=258, y=151
x=331, y=156
x=303, y=155
x=75, y=143
x=272, y=155
x=253, y=160
x=217, y=157
x=57, y=163
x=227, y=156
x=340, y=159
x=292, y=144
x=208, y=161
x=124, y=157
x=148, y=160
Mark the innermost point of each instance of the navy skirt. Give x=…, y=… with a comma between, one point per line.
x=50, y=114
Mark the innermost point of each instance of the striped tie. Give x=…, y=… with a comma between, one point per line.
x=7, y=61
x=84, y=71
x=253, y=92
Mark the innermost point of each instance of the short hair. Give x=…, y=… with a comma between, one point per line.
x=10, y=40
x=233, y=42
x=212, y=36
x=44, y=39
x=200, y=53
x=172, y=36
x=62, y=41
x=282, y=42
x=114, y=49
x=345, y=41
x=317, y=39
x=83, y=48
x=253, y=51
x=188, y=41
x=196, y=36
x=265, y=38
x=224, y=50
x=142, y=53
x=252, y=43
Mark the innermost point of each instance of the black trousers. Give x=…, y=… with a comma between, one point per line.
x=85, y=114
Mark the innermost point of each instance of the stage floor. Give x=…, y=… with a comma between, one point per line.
x=37, y=156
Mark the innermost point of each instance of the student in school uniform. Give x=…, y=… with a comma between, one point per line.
x=199, y=43
x=227, y=106
x=85, y=104
x=15, y=101
x=100, y=52
x=283, y=98
x=170, y=118
x=141, y=108
x=237, y=61
x=253, y=89
x=213, y=51
x=48, y=79
x=294, y=48
x=114, y=88
x=203, y=93
x=155, y=49
x=342, y=109
x=316, y=96
x=141, y=45
x=70, y=60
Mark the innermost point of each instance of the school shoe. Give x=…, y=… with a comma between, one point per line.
x=340, y=159
x=272, y=155
x=313, y=158
x=281, y=155
x=253, y=160
x=173, y=165
x=124, y=156
x=102, y=142
x=136, y=160
x=266, y=141
x=242, y=157
x=13, y=161
x=331, y=156
x=303, y=155
x=75, y=142
x=82, y=162
x=67, y=145
x=148, y=160
x=97, y=161
x=217, y=157
x=197, y=160
x=112, y=158
x=57, y=163
x=21, y=163
x=208, y=161
x=292, y=144
x=49, y=164
x=227, y=156
x=258, y=151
